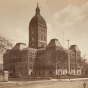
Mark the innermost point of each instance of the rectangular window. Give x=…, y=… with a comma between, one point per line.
x=41, y=37
x=44, y=38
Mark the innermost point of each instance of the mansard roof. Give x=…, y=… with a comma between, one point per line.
x=54, y=43
x=19, y=46
x=74, y=48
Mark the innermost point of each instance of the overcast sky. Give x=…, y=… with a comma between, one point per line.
x=70, y=16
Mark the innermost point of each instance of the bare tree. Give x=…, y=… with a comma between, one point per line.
x=84, y=64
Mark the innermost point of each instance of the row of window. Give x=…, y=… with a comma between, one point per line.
x=34, y=44
x=33, y=53
x=17, y=54
x=40, y=53
x=41, y=73
x=32, y=59
x=15, y=60
x=42, y=31
x=19, y=68
x=42, y=38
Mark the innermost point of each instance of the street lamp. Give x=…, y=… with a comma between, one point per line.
x=28, y=62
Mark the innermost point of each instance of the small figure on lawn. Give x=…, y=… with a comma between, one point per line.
x=84, y=85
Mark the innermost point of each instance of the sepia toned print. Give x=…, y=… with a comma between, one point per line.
x=43, y=43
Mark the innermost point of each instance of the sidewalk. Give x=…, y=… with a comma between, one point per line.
x=74, y=79
x=62, y=80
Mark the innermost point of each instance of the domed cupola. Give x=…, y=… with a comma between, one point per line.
x=37, y=19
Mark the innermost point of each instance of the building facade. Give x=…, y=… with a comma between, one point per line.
x=39, y=58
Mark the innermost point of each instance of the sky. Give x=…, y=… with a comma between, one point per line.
x=63, y=17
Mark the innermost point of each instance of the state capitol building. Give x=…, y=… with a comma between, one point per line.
x=40, y=58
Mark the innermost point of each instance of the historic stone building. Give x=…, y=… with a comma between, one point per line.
x=39, y=58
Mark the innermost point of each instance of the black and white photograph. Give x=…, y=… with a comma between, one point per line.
x=43, y=43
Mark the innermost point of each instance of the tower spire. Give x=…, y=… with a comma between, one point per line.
x=37, y=9
x=37, y=4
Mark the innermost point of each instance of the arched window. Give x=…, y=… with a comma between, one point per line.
x=78, y=72
x=60, y=72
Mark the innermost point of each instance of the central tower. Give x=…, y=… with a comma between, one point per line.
x=37, y=31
